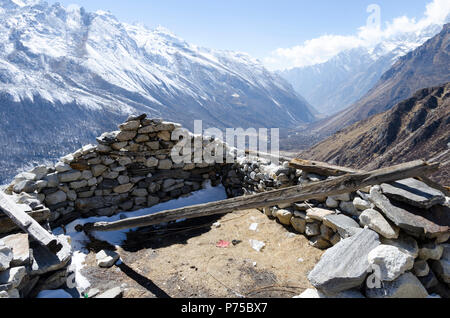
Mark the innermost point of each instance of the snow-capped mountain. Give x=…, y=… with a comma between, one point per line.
x=67, y=75
x=344, y=79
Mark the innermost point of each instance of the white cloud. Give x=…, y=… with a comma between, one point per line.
x=321, y=49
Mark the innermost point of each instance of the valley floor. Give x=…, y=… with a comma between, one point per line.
x=183, y=260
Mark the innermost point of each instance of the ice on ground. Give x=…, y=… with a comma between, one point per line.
x=116, y=238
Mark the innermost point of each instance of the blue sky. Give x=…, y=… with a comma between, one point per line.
x=258, y=27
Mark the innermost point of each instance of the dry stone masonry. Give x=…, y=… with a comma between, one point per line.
x=389, y=240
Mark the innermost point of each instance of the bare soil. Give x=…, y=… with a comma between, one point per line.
x=183, y=261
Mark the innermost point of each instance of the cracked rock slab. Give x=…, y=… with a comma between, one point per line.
x=345, y=265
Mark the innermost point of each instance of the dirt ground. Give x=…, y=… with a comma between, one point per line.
x=183, y=261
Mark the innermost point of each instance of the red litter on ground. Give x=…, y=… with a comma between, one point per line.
x=223, y=244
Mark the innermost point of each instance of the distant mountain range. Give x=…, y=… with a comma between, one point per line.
x=67, y=75
x=344, y=79
x=416, y=128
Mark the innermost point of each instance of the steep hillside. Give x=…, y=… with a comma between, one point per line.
x=65, y=69
x=344, y=79
x=426, y=66
x=417, y=128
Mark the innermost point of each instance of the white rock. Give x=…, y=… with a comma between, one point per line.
x=361, y=204
x=257, y=245
x=391, y=260
x=332, y=203
x=375, y=221
x=106, y=258
x=6, y=256
x=342, y=197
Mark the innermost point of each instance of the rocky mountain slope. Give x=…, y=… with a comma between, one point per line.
x=343, y=80
x=426, y=66
x=80, y=73
x=416, y=128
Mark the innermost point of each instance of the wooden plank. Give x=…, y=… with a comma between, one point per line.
x=339, y=185
x=7, y=225
x=321, y=168
x=28, y=224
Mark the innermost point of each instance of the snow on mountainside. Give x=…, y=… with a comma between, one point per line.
x=344, y=79
x=68, y=70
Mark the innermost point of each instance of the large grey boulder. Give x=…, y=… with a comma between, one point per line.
x=375, y=221
x=344, y=225
x=345, y=265
x=413, y=192
x=416, y=222
x=406, y=286
x=391, y=261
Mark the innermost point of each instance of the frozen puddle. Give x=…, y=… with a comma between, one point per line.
x=79, y=239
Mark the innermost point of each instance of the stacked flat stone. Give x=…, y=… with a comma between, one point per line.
x=128, y=170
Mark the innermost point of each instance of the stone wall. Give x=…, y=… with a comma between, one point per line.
x=129, y=169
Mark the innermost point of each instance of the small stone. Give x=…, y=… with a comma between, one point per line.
x=125, y=161
x=140, y=193
x=319, y=242
x=318, y=214
x=6, y=256
x=421, y=268
x=332, y=203
x=349, y=209
x=165, y=164
x=344, y=225
x=55, y=198
x=126, y=135
x=312, y=229
x=298, y=224
x=442, y=267
x=124, y=188
x=431, y=251
x=342, y=197
x=123, y=179
x=106, y=259
x=361, y=204
x=97, y=170
x=391, y=261
x=284, y=216
x=151, y=201
x=405, y=242
x=326, y=232
x=130, y=126
x=27, y=186
x=336, y=238
x=69, y=176
x=13, y=276
x=375, y=221
x=406, y=286
x=112, y=293
x=62, y=167
x=164, y=135
x=152, y=162
x=20, y=247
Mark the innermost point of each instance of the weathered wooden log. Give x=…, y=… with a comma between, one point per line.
x=321, y=168
x=28, y=224
x=7, y=225
x=339, y=185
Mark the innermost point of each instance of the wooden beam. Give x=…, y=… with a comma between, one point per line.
x=321, y=168
x=28, y=224
x=339, y=185
x=7, y=225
